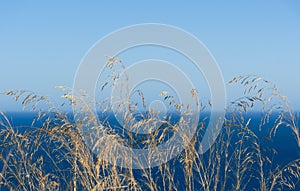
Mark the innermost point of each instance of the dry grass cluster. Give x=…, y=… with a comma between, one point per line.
x=53, y=156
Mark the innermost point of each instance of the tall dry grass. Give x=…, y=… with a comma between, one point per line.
x=54, y=155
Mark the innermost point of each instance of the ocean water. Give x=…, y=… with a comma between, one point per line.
x=283, y=142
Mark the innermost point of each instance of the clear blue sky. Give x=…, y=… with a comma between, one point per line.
x=42, y=43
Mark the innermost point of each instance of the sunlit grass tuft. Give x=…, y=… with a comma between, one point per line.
x=54, y=155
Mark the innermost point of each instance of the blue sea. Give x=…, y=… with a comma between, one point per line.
x=283, y=142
